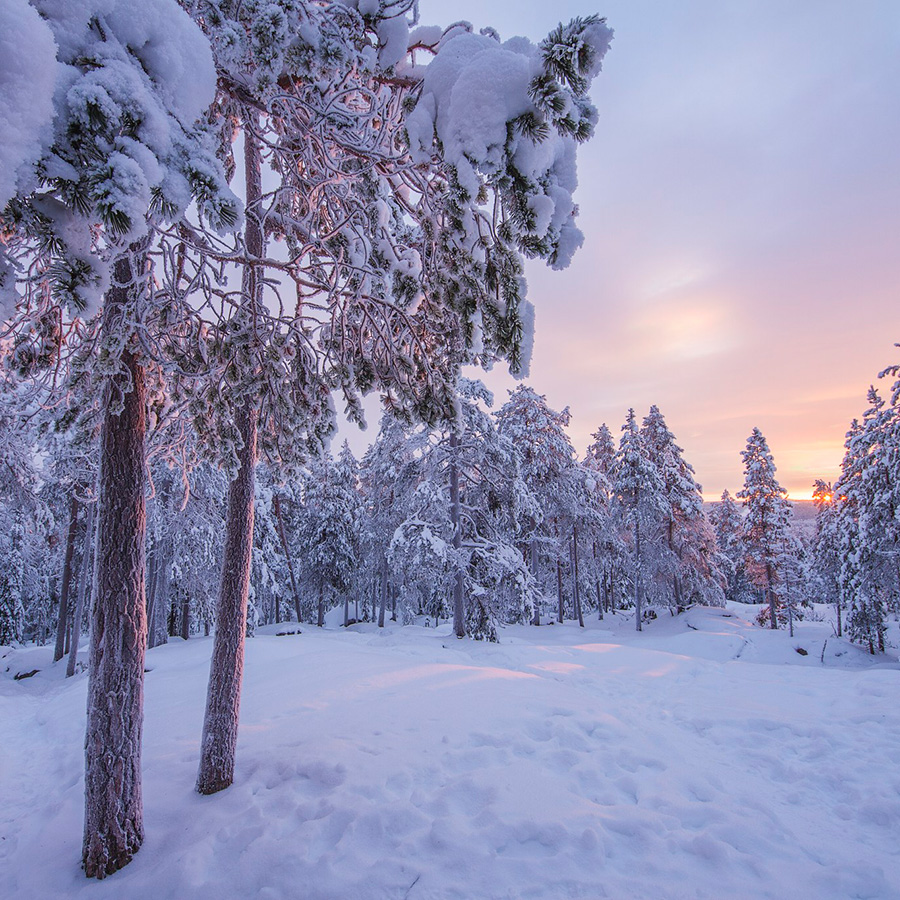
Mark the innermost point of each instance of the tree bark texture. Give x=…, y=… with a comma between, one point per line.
x=384, y=592
x=185, y=616
x=773, y=613
x=534, y=563
x=576, y=588
x=560, y=611
x=459, y=605
x=223, y=699
x=60, y=648
x=84, y=587
x=113, y=815
x=637, y=575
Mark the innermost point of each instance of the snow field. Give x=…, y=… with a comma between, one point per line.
x=560, y=763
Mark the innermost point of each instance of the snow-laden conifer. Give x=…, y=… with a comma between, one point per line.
x=766, y=524
x=692, y=560
x=641, y=504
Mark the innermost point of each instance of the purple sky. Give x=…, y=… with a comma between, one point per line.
x=741, y=208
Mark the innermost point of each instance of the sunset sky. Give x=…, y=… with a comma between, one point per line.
x=741, y=209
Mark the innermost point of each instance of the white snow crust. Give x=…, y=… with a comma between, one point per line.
x=704, y=758
x=27, y=80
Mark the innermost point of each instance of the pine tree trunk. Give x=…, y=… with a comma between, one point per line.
x=152, y=583
x=637, y=575
x=346, y=610
x=837, y=604
x=223, y=699
x=161, y=601
x=773, y=613
x=113, y=815
x=384, y=590
x=578, y=612
x=537, y=602
x=320, y=620
x=185, y=616
x=287, y=555
x=84, y=587
x=59, y=650
x=459, y=607
x=597, y=585
x=559, y=594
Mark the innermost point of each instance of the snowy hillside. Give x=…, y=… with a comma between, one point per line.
x=705, y=758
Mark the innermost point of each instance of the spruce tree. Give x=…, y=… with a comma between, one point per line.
x=766, y=523
x=641, y=504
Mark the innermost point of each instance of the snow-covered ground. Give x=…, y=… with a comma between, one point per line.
x=704, y=758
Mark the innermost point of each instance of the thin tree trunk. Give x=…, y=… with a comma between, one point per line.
x=162, y=624
x=61, y=625
x=287, y=555
x=537, y=602
x=384, y=590
x=578, y=613
x=393, y=603
x=84, y=586
x=773, y=615
x=152, y=584
x=185, y=616
x=459, y=606
x=113, y=816
x=346, y=610
x=837, y=604
x=223, y=699
x=559, y=594
x=159, y=625
x=320, y=620
x=637, y=575
x=597, y=584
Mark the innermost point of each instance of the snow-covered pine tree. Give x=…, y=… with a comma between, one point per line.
x=327, y=529
x=766, y=523
x=547, y=465
x=728, y=525
x=119, y=150
x=867, y=527
x=389, y=474
x=422, y=273
x=23, y=516
x=469, y=532
x=825, y=565
x=640, y=503
x=607, y=549
x=347, y=473
x=696, y=574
